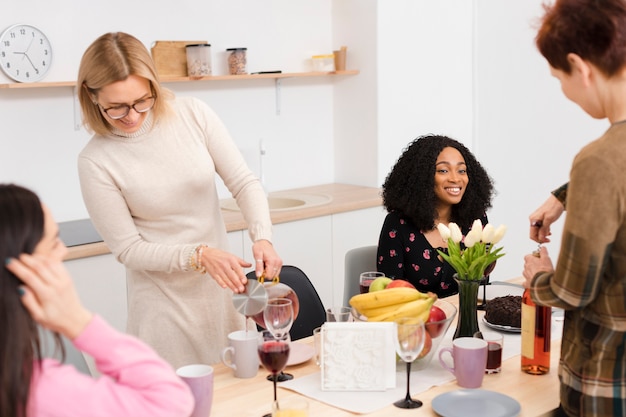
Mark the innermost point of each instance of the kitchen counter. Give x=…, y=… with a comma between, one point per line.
x=83, y=241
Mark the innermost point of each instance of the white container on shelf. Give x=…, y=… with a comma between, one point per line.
x=323, y=63
x=198, y=59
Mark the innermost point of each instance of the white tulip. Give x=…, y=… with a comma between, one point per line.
x=443, y=231
x=477, y=226
x=472, y=238
x=455, y=232
x=498, y=234
x=488, y=233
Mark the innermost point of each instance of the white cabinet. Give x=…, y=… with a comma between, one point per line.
x=236, y=240
x=101, y=284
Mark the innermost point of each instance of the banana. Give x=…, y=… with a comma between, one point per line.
x=419, y=309
x=386, y=297
x=377, y=311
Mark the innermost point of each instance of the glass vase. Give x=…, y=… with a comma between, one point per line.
x=467, y=320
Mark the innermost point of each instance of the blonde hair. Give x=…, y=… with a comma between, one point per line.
x=110, y=58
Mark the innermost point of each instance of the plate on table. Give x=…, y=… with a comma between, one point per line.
x=299, y=353
x=475, y=403
x=500, y=289
x=502, y=328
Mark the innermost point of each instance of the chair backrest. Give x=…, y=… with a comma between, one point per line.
x=357, y=260
x=312, y=313
x=73, y=356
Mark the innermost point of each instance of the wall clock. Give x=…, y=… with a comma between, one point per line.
x=25, y=53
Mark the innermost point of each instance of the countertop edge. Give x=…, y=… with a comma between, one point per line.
x=345, y=198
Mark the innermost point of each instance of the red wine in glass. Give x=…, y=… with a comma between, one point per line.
x=366, y=278
x=494, y=357
x=278, y=290
x=273, y=354
x=364, y=286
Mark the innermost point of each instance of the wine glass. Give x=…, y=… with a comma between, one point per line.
x=278, y=318
x=410, y=337
x=484, y=282
x=273, y=353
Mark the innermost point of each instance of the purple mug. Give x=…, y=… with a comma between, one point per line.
x=199, y=377
x=469, y=356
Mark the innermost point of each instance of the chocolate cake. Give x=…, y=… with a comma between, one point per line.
x=505, y=311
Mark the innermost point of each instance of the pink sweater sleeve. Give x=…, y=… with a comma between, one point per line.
x=135, y=381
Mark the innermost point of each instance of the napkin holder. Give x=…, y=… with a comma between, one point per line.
x=357, y=356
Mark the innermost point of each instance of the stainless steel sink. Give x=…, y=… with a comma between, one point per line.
x=282, y=201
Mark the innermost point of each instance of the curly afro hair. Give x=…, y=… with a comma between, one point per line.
x=409, y=187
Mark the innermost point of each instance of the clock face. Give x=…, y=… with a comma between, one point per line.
x=25, y=53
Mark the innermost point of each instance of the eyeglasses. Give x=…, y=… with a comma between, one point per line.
x=121, y=111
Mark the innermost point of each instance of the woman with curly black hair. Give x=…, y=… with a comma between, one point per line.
x=435, y=180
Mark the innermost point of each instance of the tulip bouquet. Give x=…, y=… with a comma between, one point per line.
x=470, y=263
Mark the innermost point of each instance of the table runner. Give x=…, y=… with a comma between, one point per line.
x=421, y=380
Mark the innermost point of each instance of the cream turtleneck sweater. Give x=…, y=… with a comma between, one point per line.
x=152, y=196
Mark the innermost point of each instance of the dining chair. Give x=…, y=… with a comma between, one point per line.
x=73, y=356
x=357, y=260
x=311, y=313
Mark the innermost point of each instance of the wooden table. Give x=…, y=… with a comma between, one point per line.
x=253, y=397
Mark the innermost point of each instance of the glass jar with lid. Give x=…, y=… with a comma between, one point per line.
x=237, y=61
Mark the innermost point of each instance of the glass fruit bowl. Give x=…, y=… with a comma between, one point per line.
x=435, y=332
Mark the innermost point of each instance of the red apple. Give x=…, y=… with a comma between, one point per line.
x=428, y=344
x=399, y=283
x=436, y=314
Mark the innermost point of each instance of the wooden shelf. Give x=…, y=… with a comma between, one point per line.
x=56, y=84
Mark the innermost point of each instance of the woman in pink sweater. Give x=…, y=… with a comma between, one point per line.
x=36, y=290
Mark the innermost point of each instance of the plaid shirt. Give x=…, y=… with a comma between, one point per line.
x=589, y=281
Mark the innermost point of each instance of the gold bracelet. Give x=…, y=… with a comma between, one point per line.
x=195, y=259
x=201, y=267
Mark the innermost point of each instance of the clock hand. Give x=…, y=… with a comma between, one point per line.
x=29, y=44
x=27, y=57
x=31, y=62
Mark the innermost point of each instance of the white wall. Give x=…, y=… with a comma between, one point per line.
x=38, y=141
x=466, y=69
x=527, y=132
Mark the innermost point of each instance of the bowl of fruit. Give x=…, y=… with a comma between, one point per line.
x=441, y=315
x=389, y=304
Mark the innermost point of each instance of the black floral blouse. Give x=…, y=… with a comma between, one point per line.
x=404, y=252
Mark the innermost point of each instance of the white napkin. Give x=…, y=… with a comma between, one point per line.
x=358, y=356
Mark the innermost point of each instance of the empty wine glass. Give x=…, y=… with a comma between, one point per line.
x=278, y=318
x=409, y=341
x=273, y=353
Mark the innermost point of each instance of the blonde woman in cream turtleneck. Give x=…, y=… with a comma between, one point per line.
x=148, y=181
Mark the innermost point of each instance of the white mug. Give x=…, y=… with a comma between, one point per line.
x=241, y=354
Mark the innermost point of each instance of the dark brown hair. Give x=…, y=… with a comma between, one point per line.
x=21, y=229
x=595, y=30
